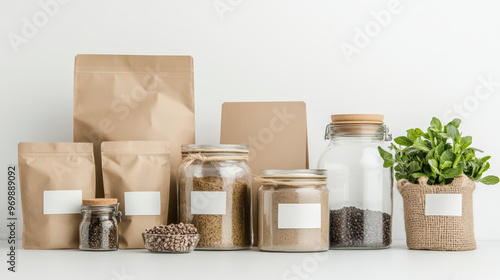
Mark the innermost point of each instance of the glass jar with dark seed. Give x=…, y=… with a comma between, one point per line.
x=99, y=226
x=359, y=184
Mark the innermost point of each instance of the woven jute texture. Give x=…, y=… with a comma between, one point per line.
x=440, y=233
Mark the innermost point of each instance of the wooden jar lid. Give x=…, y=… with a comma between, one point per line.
x=100, y=201
x=357, y=119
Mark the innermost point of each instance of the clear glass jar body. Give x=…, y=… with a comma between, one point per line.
x=99, y=228
x=215, y=197
x=360, y=187
x=293, y=218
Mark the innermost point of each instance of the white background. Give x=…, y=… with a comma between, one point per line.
x=427, y=60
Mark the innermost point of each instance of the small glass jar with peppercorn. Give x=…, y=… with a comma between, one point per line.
x=99, y=226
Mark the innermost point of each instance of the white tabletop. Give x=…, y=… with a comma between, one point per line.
x=396, y=262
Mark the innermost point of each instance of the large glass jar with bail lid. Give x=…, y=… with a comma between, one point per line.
x=214, y=194
x=360, y=187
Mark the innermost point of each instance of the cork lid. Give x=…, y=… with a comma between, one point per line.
x=100, y=201
x=357, y=119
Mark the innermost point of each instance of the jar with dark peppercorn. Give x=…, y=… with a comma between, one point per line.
x=360, y=187
x=99, y=226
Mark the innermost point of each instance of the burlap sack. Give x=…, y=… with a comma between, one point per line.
x=54, y=178
x=138, y=174
x=440, y=233
x=135, y=98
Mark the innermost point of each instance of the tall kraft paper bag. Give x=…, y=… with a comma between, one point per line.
x=276, y=133
x=131, y=98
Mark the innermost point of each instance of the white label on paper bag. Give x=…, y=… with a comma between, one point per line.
x=443, y=204
x=304, y=215
x=142, y=203
x=62, y=202
x=208, y=203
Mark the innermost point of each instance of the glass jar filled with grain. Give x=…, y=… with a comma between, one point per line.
x=360, y=187
x=293, y=210
x=214, y=195
x=99, y=225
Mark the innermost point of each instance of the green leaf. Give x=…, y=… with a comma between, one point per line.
x=403, y=141
x=440, y=149
x=485, y=159
x=445, y=164
x=465, y=142
x=414, y=167
x=434, y=166
x=453, y=132
x=426, y=136
x=447, y=155
x=412, y=135
x=455, y=122
x=384, y=154
x=422, y=145
x=452, y=172
x=436, y=123
x=489, y=180
x=419, y=132
x=418, y=175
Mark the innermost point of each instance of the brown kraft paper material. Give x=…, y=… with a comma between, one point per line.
x=131, y=98
x=135, y=169
x=276, y=134
x=48, y=173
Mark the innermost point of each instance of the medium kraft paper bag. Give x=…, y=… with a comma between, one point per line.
x=54, y=178
x=275, y=132
x=138, y=174
x=134, y=98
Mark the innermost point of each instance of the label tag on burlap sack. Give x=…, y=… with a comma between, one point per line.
x=443, y=204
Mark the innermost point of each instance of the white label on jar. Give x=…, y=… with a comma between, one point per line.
x=443, y=204
x=208, y=203
x=304, y=215
x=142, y=203
x=62, y=202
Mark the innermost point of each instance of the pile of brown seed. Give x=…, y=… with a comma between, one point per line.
x=172, y=238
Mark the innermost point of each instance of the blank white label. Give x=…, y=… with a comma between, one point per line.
x=208, y=203
x=62, y=202
x=305, y=215
x=142, y=203
x=443, y=205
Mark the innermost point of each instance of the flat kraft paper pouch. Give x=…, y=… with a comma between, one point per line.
x=54, y=178
x=138, y=174
x=132, y=97
x=276, y=133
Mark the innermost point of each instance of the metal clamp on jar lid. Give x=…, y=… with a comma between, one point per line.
x=358, y=125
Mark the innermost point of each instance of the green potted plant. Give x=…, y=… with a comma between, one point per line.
x=436, y=172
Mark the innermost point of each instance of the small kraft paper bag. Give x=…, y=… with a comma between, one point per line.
x=138, y=174
x=54, y=178
x=275, y=132
x=135, y=98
